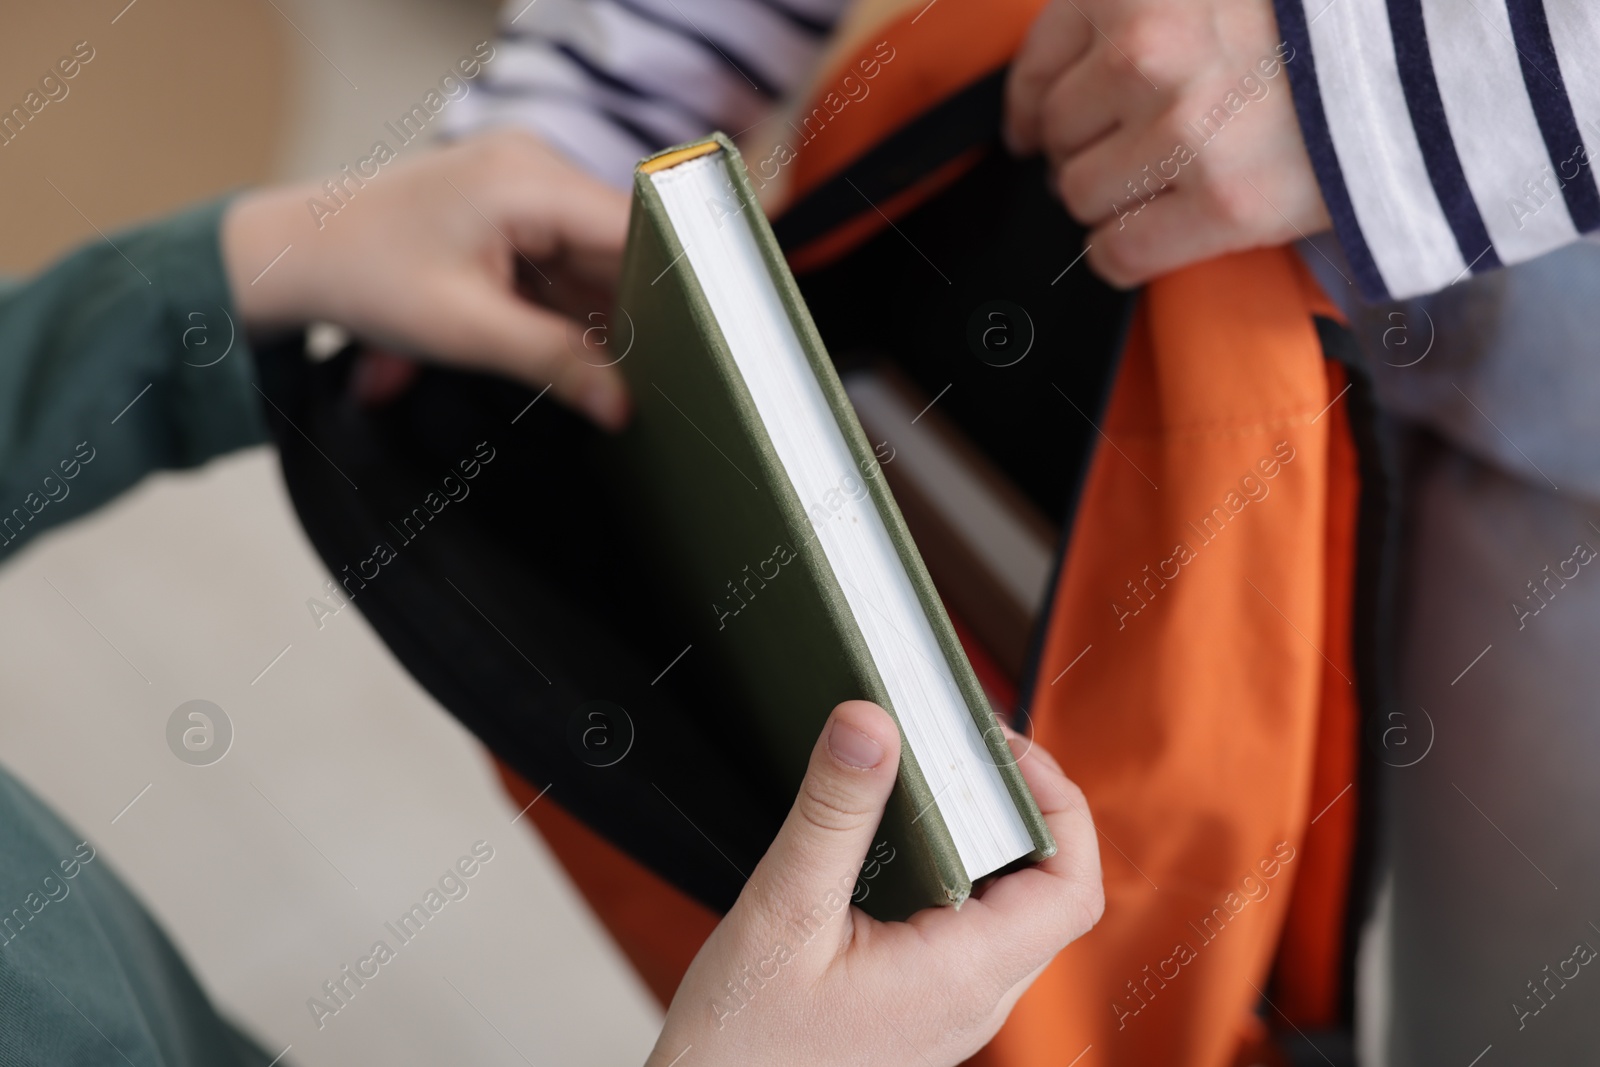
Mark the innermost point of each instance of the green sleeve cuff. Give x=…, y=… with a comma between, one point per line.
x=202, y=357
x=125, y=357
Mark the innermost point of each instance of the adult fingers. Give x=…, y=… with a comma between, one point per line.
x=1116, y=174
x=1086, y=103
x=1058, y=38
x=1176, y=229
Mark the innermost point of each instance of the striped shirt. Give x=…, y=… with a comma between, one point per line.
x=1449, y=137
x=608, y=81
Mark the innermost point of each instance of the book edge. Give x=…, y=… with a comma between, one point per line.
x=855, y=438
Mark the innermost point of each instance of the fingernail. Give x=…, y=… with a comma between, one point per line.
x=854, y=748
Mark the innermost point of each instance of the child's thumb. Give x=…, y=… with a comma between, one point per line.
x=823, y=842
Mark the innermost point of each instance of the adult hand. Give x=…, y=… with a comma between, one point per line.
x=1169, y=128
x=794, y=975
x=425, y=257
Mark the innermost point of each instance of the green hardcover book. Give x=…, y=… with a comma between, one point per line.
x=766, y=502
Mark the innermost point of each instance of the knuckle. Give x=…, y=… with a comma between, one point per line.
x=1075, y=796
x=1171, y=132
x=995, y=978
x=1119, y=262
x=1026, y=85
x=971, y=1019
x=1092, y=902
x=1149, y=42
x=1084, y=907
x=1076, y=186
x=989, y=980
x=507, y=150
x=826, y=807
x=1233, y=201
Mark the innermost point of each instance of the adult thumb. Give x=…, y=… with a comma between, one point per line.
x=829, y=830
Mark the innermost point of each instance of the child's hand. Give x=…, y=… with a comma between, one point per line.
x=424, y=256
x=1169, y=128
x=794, y=975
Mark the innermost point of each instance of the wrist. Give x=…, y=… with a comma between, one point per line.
x=258, y=236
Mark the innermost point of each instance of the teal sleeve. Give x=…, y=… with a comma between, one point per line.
x=125, y=357
x=86, y=975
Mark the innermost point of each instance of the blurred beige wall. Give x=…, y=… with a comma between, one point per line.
x=346, y=791
x=183, y=99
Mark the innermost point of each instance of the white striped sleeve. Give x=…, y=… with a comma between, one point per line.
x=609, y=81
x=1449, y=137
x=1575, y=36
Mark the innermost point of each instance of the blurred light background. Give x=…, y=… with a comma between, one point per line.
x=347, y=791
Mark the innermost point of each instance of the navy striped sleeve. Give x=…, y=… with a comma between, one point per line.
x=1541, y=74
x=1302, y=68
x=1426, y=110
x=1448, y=138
